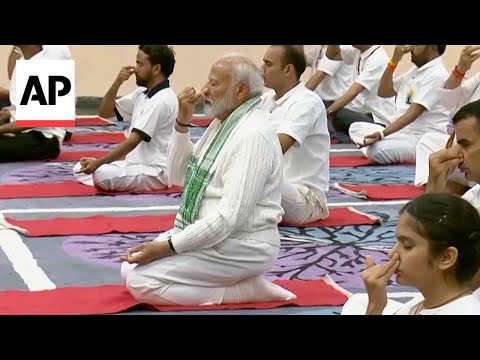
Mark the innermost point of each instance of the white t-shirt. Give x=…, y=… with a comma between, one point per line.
x=466, y=305
x=467, y=92
x=339, y=73
x=368, y=69
x=473, y=197
x=301, y=114
x=153, y=116
x=422, y=86
x=49, y=52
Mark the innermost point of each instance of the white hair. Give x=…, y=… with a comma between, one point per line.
x=244, y=69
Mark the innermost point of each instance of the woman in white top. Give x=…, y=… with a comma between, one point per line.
x=437, y=252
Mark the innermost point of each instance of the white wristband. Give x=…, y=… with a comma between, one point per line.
x=382, y=135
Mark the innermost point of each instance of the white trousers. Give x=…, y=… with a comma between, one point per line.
x=124, y=176
x=199, y=277
x=394, y=149
x=428, y=144
x=357, y=305
x=302, y=205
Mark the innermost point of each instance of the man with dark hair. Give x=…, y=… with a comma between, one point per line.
x=300, y=119
x=418, y=109
x=456, y=92
x=151, y=110
x=359, y=103
x=465, y=156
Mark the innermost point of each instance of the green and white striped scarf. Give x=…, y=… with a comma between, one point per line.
x=199, y=169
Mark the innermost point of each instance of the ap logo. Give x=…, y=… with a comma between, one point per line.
x=45, y=93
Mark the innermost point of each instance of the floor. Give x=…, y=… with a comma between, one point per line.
x=94, y=260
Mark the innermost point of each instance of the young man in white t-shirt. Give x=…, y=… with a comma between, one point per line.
x=152, y=110
x=418, y=109
x=299, y=116
x=20, y=144
x=455, y=93
x=360, y=102
x=329, y=79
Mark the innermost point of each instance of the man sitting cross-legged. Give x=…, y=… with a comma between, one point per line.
x=152, y=110
x=300, y=119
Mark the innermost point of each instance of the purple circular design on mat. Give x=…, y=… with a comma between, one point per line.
x=45, y=172
x=105, y=249
x=343, y=263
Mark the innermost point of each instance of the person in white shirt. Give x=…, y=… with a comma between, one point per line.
x=328, y=78
x=456, y=93
x=464, y=157
x=299, y=117
x=225, y=235
x=418, y=109
x=360, y=102
x=437, y=252
x=152, y=110
x=30, y=144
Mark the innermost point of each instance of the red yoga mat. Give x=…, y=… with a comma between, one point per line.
x=97, y=138
x=114, y=299
x=77, y=155
x=101, y=224
x=91, y=120
x=355, y=160
x=62, y=189
x=94, y=120
x=381, y=192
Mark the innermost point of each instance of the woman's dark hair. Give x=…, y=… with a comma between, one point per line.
x=448, y=220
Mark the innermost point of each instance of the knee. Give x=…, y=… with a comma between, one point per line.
x=102, y=179
x=143, y=289
x=376, y=155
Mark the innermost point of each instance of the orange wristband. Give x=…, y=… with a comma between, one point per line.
x=457, y=73
x=391, y=65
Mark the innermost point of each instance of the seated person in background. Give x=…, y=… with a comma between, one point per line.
x=57, y=52
x=225, y=235
x=360, y=102
x=300, y=119
x=455, y=94
x=437, y=252
x=152, y=110
x=4, y=106
x=418, y=108
x=23, y=144
x=329, y=79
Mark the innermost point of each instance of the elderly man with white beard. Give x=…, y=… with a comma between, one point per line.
x=225, y=236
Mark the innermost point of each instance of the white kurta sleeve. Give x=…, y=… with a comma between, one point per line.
x=244, y=177
x=180, y=148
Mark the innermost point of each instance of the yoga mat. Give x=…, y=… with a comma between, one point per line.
x=77, y=155
x=356, y=160
x=380, y=192
x=101, y=224
x=66, y=188
x=91, y=120
x=95, y=120
x=97, y=138
x=113, y=299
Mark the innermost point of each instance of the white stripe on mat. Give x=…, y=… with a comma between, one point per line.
x=23, y=261
x=175, y=207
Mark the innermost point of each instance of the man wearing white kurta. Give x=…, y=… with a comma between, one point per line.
x=299, y=117
x=225, y=236
x=456, y=93
x=151, y=110
x=418, y=109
